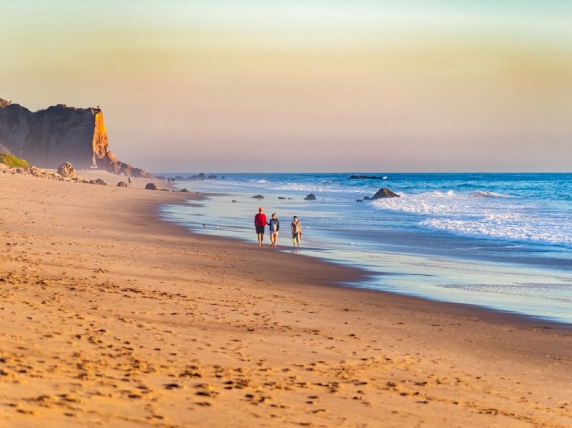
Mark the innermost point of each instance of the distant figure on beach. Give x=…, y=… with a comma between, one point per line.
x=129, y=179
x=274, y=228
x=296, y=231
x=260, y=224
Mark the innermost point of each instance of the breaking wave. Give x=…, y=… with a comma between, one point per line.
x=485, y=215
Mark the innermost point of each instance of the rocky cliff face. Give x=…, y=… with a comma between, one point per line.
x=58, y=134
x=48, y=138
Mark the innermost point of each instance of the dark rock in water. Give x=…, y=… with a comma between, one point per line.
x=258, y=197
x=366, y=177
x=200, y=177
x=222, y=178
x=281, y=197
x=359, y=200
x=212, y=177
x=98, y=181
x=310, y=197
x=366, y=198
x=151, y=186
x=233, y=200
x=184, y=191
x=384, y=192
x=66, y=169
x=122, y=184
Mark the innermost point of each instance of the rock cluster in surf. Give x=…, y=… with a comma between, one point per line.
x=384, y=192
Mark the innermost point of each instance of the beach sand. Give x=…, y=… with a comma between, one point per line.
x=110, y=317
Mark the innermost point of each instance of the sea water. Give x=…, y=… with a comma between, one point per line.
x=501, y=241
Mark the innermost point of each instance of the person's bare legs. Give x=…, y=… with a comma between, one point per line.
x=261, y=239
x=296, y=240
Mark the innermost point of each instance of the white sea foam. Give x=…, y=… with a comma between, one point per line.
x=553, y=291
x=484, y=215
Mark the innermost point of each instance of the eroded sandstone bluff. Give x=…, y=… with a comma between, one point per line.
x=47, y=138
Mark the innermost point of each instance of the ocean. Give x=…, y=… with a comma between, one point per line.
x=500, y=241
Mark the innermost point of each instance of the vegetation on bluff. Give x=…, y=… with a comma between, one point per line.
x=13, y=161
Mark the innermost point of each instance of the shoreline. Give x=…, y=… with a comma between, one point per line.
x=360, y=275
x=244, y=341
x=554, y=312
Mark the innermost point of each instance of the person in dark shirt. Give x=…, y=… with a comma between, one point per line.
x=274, y=228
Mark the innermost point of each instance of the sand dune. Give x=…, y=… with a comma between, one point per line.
x=110, y=317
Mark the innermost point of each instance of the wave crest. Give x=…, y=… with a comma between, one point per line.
x=485, y=194
x=484, y=215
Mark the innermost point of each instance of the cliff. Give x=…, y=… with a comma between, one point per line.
x=47, y=138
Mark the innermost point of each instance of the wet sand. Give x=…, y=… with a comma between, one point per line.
x=111, y=317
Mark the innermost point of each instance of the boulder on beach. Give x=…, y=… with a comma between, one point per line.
x=184, y=191
x=151, y=186
x=66, y=169
x=258, y=197
x=122, y=184
x=384, y=192
x=98, y=181
x=310, y=197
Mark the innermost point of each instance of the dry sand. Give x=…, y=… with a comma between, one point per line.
x=110, y=317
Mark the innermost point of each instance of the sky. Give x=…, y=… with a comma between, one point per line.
x=305, y=86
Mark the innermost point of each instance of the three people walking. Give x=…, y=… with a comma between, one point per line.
x=274, y=227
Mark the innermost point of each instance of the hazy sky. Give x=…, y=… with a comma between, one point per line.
x=354, y=85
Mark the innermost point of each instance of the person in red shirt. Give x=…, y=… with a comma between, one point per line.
x=260, y=224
